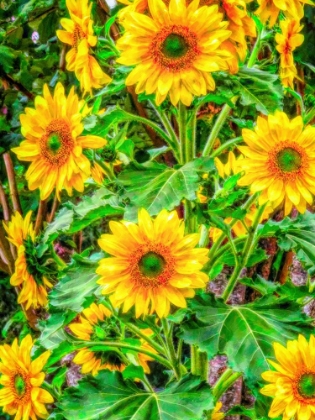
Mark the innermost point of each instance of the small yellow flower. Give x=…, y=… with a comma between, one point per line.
x=287, y=41
x=217, y=414
x=91, y=326
x=21, y=378
x=174, y=49
x=279, y=161
x=153, y=264
x=292, y=383
x=54, y=144
x=79, y=34
x=230, y=167
x=98, y=173
x=270, y=9
x=239, y=229
x=27, y=276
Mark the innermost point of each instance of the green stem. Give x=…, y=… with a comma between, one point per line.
x=153, y=125
x=59, y=261
x=182, y=120
x=199, y=363
x=224, y=382
x=254, y=54
x=219, y=241
x=189, y=217
x=242, y=261
x=225, y=145
x=109, y=173
x=217, y=127
x=174, y=143
x=121, y=345
x=149, y=340
x=51, y=390
x=170, y=346
x=147, y=384
x=191, y=137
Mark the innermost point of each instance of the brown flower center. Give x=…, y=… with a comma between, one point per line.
x=78, y=35
x=306, y=385
x=287, y=161
x=57, y=142
x=175, y=48
x=151, y=265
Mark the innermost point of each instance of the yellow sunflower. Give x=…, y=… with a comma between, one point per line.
x=217, y=414
x=27, y=276
x=279, y=161
x=21, y=378
x=287, y=41
x=153, y=264
x=91, y=327
x=79, y=34
x=270, y=9
x=292, y=384
x=231, y=166
x=174, y=50
x=239, y=229
x=54, y=144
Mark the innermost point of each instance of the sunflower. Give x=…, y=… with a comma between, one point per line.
x=174, y=50
x=279, y=161
x=217, y=414
x=54, y=145
x=29, y=274
x=96, y=323
x=231, y=166
x=270, y=9
x=240, y=228
x=152, y=265
x=79, y=34
x=21, y=379
x=287, y=41
x=293, y=381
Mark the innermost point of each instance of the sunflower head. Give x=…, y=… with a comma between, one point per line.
x=53, y=143
x=21, y=379
x=174, y=48
x=279, y=161
x=292, y=383
x=33, y=273
x=153, y=264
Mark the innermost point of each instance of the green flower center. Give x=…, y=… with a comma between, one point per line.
x=289, y=160
x=151, y=264
x=54, y=142
x=174, y=46
x=19, y=385
x=306, y=385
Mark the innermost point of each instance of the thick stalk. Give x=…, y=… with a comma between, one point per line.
x=217, y=127
x=182, y=121
x=149, y=340
x=54, y=208
x=41, y=215
x=170, y=346
x=121, y=345
x=191, y=137
x=4, y=204
x=219, y=241
x=224, y=382
x=242, y=261
x=12, y=183
x=174, y=143
x=225, y=145
x=254, y=54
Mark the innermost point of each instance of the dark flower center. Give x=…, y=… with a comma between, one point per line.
x=289, y=160
x=306, y=385
x=151, y=264
x=175, y=46
x=19, y=385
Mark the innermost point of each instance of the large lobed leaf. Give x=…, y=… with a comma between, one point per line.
x=155, y=186
x=244, y=333
x=109, y=397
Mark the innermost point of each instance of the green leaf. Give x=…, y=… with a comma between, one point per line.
x=7, y=57
x=74, y=287
x=244, y=333
x=259, y=88
x=155, y=186
x=109, y=397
